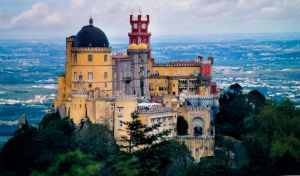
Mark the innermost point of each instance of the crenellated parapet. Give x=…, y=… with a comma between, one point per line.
x=154, y=111
x=79, y=95
x=70, y=39
x=170, y=64
x=92, y=49
x=204, y=97
x=197, y=109
x=151, y=108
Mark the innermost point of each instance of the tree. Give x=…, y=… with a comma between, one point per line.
x=33, y=148
x=256, y=100
x=165, y=158
x=96, y=139
x=122, y=164
x=71, y=164
x=210, y=166
x=236, y=88
x=234, y=108
x=182, y=126
x=272, y=138
x=139, y=135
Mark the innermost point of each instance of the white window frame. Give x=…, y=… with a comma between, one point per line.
x=120, y=110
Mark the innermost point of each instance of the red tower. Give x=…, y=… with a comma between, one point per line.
x=139, y=30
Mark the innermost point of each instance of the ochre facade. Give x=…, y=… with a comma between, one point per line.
x=107, y=88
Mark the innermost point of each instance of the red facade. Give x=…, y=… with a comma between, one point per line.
x=139, y=30
x=206, y=69
x=214, y=88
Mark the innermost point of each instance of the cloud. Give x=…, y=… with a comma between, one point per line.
x=167, y=17
x=32, y=16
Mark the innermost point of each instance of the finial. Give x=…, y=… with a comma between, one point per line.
x=91, y=20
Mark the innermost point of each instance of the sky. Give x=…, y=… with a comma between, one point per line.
x=54, y=19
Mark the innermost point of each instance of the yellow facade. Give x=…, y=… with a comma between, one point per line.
x=199, y=147
x=95, y=67
x=191, y=113
x=174, y=78
x=176, y=70
x=78, y=109
x=124, y=106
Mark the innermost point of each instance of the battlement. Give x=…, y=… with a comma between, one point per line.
x=177, y=64
x=139, y=18
x=197, y=109
x=151, y=108
x=92, y=49
x=80, y=95
x=204, y=97
x=70, y=39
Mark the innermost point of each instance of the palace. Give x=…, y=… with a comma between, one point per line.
x=107, y=88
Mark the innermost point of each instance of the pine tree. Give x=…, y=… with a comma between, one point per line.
x=139, y=135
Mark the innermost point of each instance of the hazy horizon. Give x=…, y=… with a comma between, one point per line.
x=187, y=38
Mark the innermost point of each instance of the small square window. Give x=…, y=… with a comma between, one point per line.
x=105, y=58
x=120, y=110
x=90, y=85
x=90, y=58
x=120, y=124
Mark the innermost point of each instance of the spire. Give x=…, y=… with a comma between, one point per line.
x=91, y=20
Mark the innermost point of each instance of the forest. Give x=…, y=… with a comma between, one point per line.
x=254, y=136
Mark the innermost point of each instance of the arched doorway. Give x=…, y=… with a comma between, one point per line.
x=197, y=126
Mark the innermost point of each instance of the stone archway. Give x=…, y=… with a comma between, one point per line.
x=198, y=126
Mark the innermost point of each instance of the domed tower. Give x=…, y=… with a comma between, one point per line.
x=88, y=66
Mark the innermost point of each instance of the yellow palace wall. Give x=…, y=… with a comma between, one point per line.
x=98, y=67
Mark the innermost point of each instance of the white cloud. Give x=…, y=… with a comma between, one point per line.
x=37, y=12
x=167, y=17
